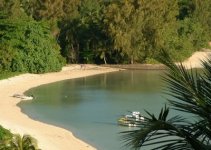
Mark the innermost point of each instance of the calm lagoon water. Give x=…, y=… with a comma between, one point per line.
x=90, y=106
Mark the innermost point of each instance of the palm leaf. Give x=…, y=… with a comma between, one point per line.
x=17, y=142
x=188, y=87
x=190, y=92
x=161, y=133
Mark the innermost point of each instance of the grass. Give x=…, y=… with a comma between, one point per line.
x=5, y=75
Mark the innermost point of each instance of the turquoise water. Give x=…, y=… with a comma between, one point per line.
x=90, y=106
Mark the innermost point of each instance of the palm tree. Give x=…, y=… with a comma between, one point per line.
x=18, y=142
x=190, y=92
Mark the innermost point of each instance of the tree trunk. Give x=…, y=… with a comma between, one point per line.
x=132, y=60
x=104, y=58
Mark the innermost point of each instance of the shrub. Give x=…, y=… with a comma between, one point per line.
x=4, y=133
x=28, y=46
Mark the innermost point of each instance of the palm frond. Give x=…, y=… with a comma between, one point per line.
x=201, y=130
x=191, y=90
x=20, y=143
x=161, y=133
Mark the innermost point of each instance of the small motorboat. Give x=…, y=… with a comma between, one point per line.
x=131, y=120
x=23, y=97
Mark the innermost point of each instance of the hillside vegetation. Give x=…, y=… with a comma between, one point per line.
x=38, y=36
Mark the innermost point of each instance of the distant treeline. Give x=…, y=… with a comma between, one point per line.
x=35, y=33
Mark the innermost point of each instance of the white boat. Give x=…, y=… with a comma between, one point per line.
x=132, y=120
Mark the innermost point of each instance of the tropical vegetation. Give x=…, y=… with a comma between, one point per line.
x=17, y=142
x=9, y=141
x=189, y=92
x=39, y=36
x=26, y=45
x=34, y=33
x=4, y=133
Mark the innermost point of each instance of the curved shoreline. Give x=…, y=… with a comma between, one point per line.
x=49, y=137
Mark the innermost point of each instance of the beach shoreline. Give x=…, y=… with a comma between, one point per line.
x=49, y=137
x=52, y=137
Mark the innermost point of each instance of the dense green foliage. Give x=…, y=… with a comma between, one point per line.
x=27, y=45
x=126, y=31
x=97, y=31
x=9, y=141
x=189, y=93
x=83, y=38
x=18, y=142
x=136, y=31
x=140, y=29
x=4, y=134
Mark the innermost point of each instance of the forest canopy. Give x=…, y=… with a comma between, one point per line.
x=37, y=35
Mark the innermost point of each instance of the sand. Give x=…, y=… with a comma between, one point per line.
x=49, y=137
x=195, y=61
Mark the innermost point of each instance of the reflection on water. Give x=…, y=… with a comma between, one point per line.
x=90, y=106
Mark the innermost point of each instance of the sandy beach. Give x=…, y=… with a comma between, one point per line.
x=49, y=137
x=195, y=60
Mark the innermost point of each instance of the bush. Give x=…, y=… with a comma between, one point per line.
x=28, y=46
x=6, y=56
x=4, y=133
